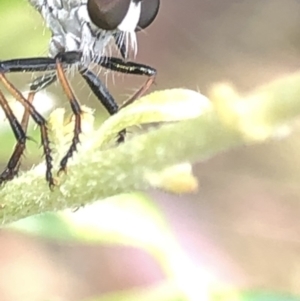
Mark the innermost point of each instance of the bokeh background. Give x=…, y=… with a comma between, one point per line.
x=242, y=228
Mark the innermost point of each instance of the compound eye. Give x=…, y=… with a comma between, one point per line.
x=149, y=10
x=108, y=14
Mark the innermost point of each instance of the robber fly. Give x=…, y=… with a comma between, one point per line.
x=81, y=31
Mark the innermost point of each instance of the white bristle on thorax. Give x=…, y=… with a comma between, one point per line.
x=72, y=29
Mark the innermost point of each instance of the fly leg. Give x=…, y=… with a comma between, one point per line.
x=122, y=66
x=38, y=119
x=10, y=171
x=76, y=109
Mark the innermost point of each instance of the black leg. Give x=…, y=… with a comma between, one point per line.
x=119, y=65
x=14, y=162
x=102, y=93
x=20, y=135
x=27, y=65
x=39, y=63
x=39, y=120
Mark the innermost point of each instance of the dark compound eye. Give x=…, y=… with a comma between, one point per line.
x=149, y=11
x=108, y=14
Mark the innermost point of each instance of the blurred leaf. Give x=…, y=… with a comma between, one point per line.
x=130, y=219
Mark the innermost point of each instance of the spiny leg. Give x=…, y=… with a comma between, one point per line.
x=39, y=120
x=20, y=135
x=76, y=109
x=119, y=65
x=17, y=154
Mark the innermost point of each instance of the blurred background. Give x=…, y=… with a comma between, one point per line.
x=241, y=230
